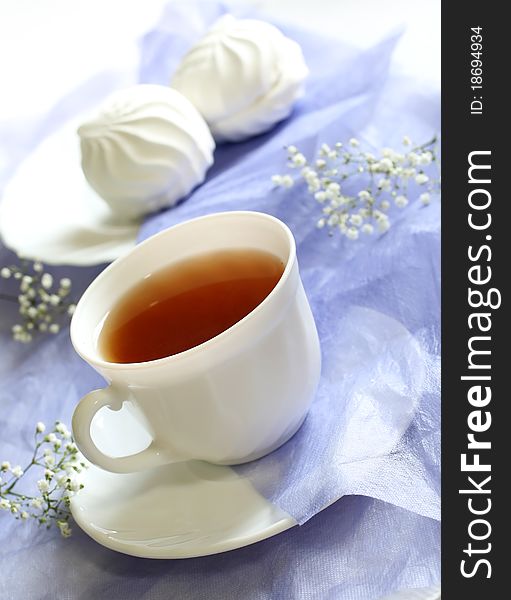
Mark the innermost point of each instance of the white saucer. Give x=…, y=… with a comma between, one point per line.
x=48, y=211
x=177, y=511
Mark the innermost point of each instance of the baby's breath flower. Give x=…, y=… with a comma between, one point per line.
x=54, y=300
x=49, y=460
x=298, y=160
x=426, y=158
x=65, y=530
x=40, y=306
x=287, y=181
x=384, y=177
x=425, y=198
x=352, y=233
x=386, y=164
x=60, y=428
x=401, y=201
x=57, y=486
x=413, y=158
x=74, y=486
x=47, y=281
x=17, y=471
x=383, y=225
x=43, y=486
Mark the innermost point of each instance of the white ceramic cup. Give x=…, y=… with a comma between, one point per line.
x=229, y=400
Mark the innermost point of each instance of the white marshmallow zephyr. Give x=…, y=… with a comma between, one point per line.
x=243, y=76
x=147, y=148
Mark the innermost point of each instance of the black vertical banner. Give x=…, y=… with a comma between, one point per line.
x=476, y=266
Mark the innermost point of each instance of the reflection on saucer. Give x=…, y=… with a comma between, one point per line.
x=175, y=511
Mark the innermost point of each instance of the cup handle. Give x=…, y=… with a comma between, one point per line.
x=81, y=423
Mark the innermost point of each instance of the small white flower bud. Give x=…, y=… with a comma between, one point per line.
x=287, y=181
x=43, y=486
x=5, y=272
x=386, y=164
x=46, y=281
x=40, y=427
x=384, y=184
x=421, y=178
x=298, y=160
x=425, y=199
x=352, y=233
x=36, y=502
x=17, y=471
x=426, y=158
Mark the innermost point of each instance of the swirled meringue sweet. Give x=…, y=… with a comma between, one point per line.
x=147, y=147
x=243, y=76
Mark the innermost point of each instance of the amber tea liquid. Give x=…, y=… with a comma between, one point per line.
x=187, y=303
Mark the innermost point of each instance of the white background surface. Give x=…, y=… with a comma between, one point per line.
x=48, y=47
